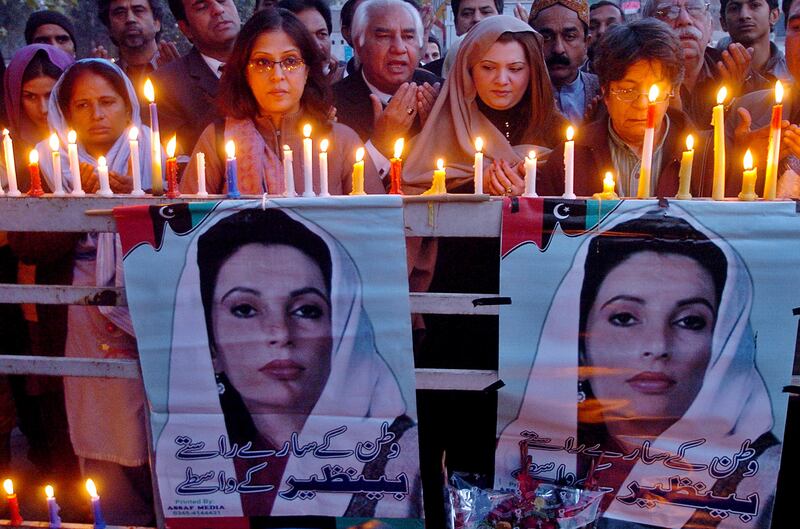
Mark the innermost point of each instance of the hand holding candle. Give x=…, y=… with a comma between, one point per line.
x=773, y=152
x=97, y=512
x=11, y=169
x=74, y=164
x=718, y=122
x=396, y=169
x=52, y=507
x=478, y=166
x=685, y=174
x=308, y=162
x=646, y=167
x=155, y=140
x=172, y=169
x=36, y=180
x=55, y=146
x=136, y=170
x=748, y=178
x=569, y=165
x=358, y=173
x=13, y=505
x=231, y=175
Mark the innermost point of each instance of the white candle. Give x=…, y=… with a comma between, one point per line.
x=102, y=176
x=530, y=175
x=288, y=173
x=74, y=164
x=11, y=168
x=478, y=165
x=157, y=173
x=308, y=163
x=323, y=168
x=569, y=165
x=201, y=175
x=136, y=171
x=718, y=122
x=646, y=166
x=58, y=185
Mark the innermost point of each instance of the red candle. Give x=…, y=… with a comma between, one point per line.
x=396, y=169
x=172, y=169
x=651, y=107
x=36, y=180
x=13, y=504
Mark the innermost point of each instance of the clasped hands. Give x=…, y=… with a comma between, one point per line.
x=398, y=117
x=120, y=184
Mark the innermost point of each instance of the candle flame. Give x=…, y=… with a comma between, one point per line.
x=54, y=142
x=479, y=144
x=609, y=179
x=91, y=488
x=6, y=132
x=778, y=92
x=722, y=95
x=570, y=133
x=101, y=162
x=748, y=160
x=307, y=130
x=72, y=136
x=689, y=142
x=286, y=148
x=171, y=144
x=532, y=155
x=133, y=134
x=653, y=95
x=398, y=147
x=323, y=145
x=230, y=149
x=7, y=484
x=440, y=164
x=149, y=91
x=49, y=492
x=359, y=154
x=33, y=157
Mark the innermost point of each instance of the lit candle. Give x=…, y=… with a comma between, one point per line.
x=56, y=157
x=646, y=166
x=36, y=180
x=569, y=164
x=136, y=170
x=718, y=122
x=201, y=175
x=323, y=168
x=748, y=178
x=52, y=507
x=102, y=176
x=172, y=169
x=609, y=188
x=11, y=167
x=478, y=165
x=155, y=140
x=358, y=173
x=13, y=504
x=773, y=153
x=396, y=169
x=530, y=175
x=438, y=186
x=99, y=521
x=230, y=170
x=308, y=163
x=288, y=173
x=74, y=164
x=685, y=174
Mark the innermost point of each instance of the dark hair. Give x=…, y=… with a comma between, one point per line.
x=456, y=4
x=647, y=39
x=235, y=97
x=177, y=9
x=298, y=6
x=41, y=18
x=723, y=4
x=41, y=66
x=104, y=8
x=253, y=226
x=611, y=3
x=434, y=40
x=786, y=6
x=652, y=232
x=95, y=67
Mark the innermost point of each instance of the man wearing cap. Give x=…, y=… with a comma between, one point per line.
x=53, y=28
x=564, y=25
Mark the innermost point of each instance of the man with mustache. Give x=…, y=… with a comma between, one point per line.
x=564, y=25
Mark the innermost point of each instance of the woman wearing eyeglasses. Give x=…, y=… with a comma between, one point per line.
x=630, y=58
x=272, y=86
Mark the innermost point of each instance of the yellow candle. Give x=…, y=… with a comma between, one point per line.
x=685, y=174
x=646, y=167
x=609, y=188
x=438, y=186
x=358, y=173
x=718, y=122
x=773, y=153
x=748, y=178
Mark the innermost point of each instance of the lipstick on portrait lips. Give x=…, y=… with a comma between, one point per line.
x=651, y=382
x=283, y=369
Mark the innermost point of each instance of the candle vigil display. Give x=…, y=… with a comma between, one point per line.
x=155, y=140
x=97, y=512
x=478, y=165
x=530, y=175
x=748, y=178
x=74, y=164
x=323, y=168
x=136, y=170
x=201, y=175
x=52, y=507
x=11, y=167
x=396, y=169
x=718, y=122
x=646, y=166
x=438, y=186
x=358, y=173
x=36, y=180
x=102, y=176
x=56, y=158
x=172, y=169
x=685, y=174
x=13, y=505
x=288, y=173
x=569, y=165
x=230, y=170
x=308, y=163
x=773, y=152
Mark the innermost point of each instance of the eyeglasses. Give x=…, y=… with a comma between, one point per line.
x=629, y=95
x=672, y=12
x=263, y=65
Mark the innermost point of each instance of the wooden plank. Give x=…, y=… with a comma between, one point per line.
x=468, y=304
x=69, y=367
x=62, y=295
x=455, y=379
x=453, y=219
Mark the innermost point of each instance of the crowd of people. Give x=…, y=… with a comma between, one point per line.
x=515, y=81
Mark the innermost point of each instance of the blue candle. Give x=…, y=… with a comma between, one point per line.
x=52, y=508
x=230, y=170
x=99, y=521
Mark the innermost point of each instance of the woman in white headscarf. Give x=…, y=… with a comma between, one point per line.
x=655, y=309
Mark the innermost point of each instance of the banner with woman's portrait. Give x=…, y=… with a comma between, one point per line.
x=645, y=351
x=275, y=344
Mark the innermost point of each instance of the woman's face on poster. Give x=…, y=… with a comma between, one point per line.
x=648, y=339
x=272, y=327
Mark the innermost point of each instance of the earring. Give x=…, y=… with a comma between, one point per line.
x=220, y=383
x=581, y=392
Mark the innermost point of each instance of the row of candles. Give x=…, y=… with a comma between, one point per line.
x=15, y=517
